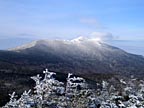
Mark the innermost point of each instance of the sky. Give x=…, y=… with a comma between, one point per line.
x=71, y=18
x=68, y=19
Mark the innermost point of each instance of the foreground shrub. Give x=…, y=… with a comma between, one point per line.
x=50, y=93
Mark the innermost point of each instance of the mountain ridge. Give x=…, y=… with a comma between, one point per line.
x=46, y=41
x=79, y=53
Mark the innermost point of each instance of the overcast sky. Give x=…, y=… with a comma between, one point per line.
x=66, y=19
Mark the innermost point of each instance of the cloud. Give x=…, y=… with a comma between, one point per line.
x=92, y=22
x=88, y=21
x=102, y=35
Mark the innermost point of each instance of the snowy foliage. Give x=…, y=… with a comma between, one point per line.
x=50, y=93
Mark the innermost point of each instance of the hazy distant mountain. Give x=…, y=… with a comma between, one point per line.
x=131, y=46
x=7, y=42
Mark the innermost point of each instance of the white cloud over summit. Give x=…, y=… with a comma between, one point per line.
x=95, y=36
x=101, y=36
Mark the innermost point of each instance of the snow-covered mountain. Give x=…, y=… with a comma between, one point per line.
x=81, y=55
x=80, y=42
x=79, y=47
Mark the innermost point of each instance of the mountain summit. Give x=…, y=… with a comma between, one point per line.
x=53, y=43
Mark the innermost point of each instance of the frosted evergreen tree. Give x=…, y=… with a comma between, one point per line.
x=51, y=93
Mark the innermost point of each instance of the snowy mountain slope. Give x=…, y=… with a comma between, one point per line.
x=81, y=47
